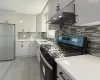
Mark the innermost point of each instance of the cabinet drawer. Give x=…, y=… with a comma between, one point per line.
x=62, y=75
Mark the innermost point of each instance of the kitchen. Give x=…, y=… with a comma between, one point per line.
x=49, y=40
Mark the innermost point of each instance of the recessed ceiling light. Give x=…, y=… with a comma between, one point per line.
x=55, y=18
x=21, y=21
x=60, y=16
x=49, y=22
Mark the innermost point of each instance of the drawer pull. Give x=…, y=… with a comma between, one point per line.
x=21, y=45
x=61, y=74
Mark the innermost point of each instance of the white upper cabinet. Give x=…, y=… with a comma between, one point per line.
x=38, y=22
x=44, y=24
x=87, y=11
x=50, y=9
x=52, y=4
x=41, y=20
x=63, y=3
x=26, y=23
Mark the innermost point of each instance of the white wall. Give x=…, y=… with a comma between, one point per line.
x=15, y=18
x=7, y=15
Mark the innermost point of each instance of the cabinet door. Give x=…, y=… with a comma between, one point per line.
x=38, y=52
x=19, y=26
x=53, y=7
x=19, y=48
x=63, y=3
x=87, y=11
x=25, y=48
x=30, y=23
x=50, y=9
x=52, y=4
x=44, y=26
x=39, y=23
x=32, y=48
x=62, y=75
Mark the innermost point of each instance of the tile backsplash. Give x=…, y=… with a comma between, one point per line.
x=91, y=32
x=31, y=35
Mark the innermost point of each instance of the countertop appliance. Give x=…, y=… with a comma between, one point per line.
x=66, y=46
x=7, y=42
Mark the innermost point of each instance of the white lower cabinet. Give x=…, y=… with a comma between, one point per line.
x=25, y=48
x=38, y=51
x=19, y=48
x=62, y=75
x=32, y=50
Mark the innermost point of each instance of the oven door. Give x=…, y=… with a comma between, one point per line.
x=46, y=69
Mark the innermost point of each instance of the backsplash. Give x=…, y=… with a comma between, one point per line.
x=91, y=32
x=31, y=35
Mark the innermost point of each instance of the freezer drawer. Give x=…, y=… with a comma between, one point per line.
x=7, y=50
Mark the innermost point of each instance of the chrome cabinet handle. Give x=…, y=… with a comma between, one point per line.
x=61, y=74
x=21, y=45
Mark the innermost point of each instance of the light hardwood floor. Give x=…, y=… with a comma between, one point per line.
x=26, y=68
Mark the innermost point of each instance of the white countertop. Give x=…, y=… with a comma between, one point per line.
x=83, y=67
x=40, y=41
x=44, y=42
x=25, y=40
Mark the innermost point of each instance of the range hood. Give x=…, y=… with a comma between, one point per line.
x=66, y=15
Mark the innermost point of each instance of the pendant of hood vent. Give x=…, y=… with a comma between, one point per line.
x=64, y=16
x=57, y=8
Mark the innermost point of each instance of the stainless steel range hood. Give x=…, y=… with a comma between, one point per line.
x=66, y=15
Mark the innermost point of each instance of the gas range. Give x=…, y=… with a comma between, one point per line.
x=66, y=46
x=57, y=51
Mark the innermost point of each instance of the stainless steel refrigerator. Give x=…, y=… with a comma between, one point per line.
x=7, y=42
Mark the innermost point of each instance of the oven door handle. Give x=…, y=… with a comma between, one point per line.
x=46, y=62
x=61, y=74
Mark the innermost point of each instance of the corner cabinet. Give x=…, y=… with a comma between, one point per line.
x=61, y=75
x=41, y=23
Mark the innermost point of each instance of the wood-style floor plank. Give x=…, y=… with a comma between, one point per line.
x=26, y=68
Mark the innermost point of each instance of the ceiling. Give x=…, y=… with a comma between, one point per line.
x=24, y=6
